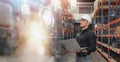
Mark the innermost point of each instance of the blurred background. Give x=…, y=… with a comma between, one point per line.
x=31, y=30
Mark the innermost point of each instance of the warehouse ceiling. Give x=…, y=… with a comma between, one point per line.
x=85, y=0
x=85, y=6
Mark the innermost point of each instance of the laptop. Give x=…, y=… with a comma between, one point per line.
x=72, y=45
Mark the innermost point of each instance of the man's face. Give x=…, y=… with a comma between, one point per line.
x=83, y=23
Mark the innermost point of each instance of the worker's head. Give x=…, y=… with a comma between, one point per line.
x=85, y=21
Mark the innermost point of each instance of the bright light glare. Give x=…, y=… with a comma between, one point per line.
x=25, y=1
x=35, y=31
x=48, y=18
x=25, y=9
x=37, y=37
x=41, y=50
x=73, y=3
x=56, y=4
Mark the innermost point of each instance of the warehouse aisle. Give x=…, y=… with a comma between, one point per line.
x=71, y=57
x=66, y=58
x=27, y=55
x=97, y=57
x=30, y=30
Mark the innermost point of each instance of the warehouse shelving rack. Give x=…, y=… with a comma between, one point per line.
x=105, y=55
x=7, y=30
x=99, y=12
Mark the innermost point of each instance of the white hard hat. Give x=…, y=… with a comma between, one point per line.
x=87, y=17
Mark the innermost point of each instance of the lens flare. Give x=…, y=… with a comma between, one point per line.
x=48, y=18
x=37, y=37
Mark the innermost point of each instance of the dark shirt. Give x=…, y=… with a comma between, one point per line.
x=86, y=38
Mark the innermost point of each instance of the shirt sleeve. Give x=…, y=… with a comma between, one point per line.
x=92, y=41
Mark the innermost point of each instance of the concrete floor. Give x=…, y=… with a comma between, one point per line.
x=26, y=53
x=71, y=57
x=97, y=57
x=66, y=58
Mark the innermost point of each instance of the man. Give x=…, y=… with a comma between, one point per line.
x=86, y=38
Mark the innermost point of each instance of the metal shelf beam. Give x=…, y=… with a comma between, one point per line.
x=116, y=50
x=106, y=55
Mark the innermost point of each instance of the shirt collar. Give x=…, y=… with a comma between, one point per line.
x=85, y=30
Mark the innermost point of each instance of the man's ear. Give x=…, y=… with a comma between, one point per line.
x=88, y=24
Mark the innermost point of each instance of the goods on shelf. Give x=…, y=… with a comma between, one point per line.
x=117, y=31
x=116, y=12
x=68, y=25
x=5, y=38
x=116, y=42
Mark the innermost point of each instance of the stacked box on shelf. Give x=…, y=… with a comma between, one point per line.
x=116, y=42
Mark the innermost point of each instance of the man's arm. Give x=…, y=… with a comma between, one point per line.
x=92, y=41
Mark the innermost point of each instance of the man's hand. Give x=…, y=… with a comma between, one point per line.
x=84, y=51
